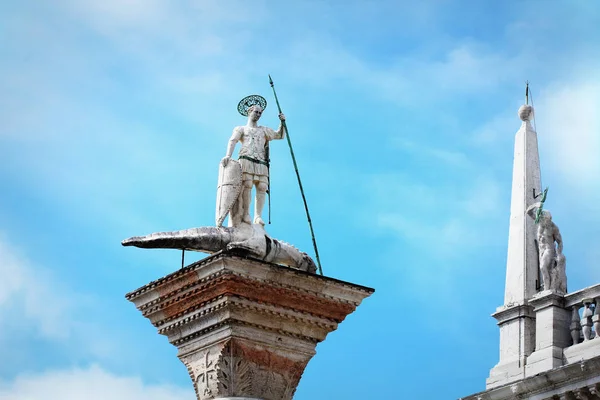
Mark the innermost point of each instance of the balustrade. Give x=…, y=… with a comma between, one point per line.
x=585, y=314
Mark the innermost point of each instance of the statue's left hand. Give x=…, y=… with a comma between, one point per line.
x=282, y=117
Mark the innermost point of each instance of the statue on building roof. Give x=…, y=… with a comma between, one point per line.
x=552, y=261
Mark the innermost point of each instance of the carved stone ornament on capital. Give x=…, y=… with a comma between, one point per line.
x=231, y=369
x=245, y=328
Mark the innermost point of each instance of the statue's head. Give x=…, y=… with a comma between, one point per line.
x=546, y=214
x=307, y=264
x=254, y=112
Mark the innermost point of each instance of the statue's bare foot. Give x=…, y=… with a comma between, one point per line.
x=258, y=220
x=246, y=219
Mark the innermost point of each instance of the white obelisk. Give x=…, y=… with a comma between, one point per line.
x=515, y=317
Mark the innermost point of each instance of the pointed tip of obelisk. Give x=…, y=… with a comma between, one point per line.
x=526, y=111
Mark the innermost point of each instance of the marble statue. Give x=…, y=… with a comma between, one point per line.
x=254, y=160
x=550, y=245
x=234, y=194
x=250, y=240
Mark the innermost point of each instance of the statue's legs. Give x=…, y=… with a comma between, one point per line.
x=560, y=274
x=261, y=190
x=246, y=198
x=236, y=214
x=546, y=262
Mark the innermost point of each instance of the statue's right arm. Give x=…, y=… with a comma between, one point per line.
x=235, y=137
x=532, y=209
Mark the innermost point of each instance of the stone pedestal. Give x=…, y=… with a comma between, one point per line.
x=517, y=339
x=552, y=332
x=245, y=328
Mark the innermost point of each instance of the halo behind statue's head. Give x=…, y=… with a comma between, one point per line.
x=249, y=101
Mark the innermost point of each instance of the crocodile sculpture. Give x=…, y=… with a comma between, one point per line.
x=250, y=240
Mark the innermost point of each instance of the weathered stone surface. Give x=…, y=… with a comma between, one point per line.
x=517, y=341
x=549, y=340
x=552, y=332
x=552, y=320
x=552, y=261
x=245, y=328
x=251, y=240
x=254, y=160
x=522, y=260
x=574, y=381
x=515, y=318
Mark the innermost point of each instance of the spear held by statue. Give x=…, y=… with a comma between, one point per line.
x=289, y=141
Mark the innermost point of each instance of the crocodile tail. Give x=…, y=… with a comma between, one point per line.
x=208, y=239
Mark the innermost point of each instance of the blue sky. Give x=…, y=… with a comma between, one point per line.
x=115, y=114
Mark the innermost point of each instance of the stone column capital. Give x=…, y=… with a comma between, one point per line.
x=245, y=328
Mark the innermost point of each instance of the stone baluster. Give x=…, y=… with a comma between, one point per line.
x=575, y=324
x=594, y=391
x=596, y=320
x=568, y=396
x=586, y=319
x=583, y=394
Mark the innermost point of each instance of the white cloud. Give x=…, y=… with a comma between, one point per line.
x=448, y=216
x=500, y=128
x=188, y=57
x=465, y=68
x=198, y=47
x=451, y=158
x=482, y=197
x=92, y=383
x=568, y=126
x=36, y=303
x=33, y=295
x=444, y=238
x=38, y=310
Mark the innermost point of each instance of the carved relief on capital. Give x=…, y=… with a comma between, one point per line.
x=273, y=386
x=225, y=370
x=235, y=373
x=202, y=367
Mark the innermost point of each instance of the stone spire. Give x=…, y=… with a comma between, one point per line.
x=516, y=317
x=522, y=260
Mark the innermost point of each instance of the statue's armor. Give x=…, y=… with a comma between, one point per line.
x=252, y=154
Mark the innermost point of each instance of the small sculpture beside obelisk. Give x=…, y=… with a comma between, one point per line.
x=552, y=261
x=245, y=320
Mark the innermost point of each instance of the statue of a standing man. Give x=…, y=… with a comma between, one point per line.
x=552, y=260
x=253, y=158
